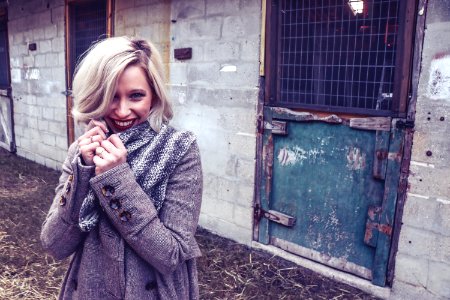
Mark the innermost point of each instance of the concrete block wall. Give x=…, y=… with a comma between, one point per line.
x=37, y=80
x=220, y=106
x=422, y=268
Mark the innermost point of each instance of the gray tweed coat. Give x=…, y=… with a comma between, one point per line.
x=134, y=252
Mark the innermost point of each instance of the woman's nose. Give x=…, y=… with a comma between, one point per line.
x=122, y=109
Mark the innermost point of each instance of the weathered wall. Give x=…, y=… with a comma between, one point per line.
x=423, y=259
x=37, y=80
x=219, y=106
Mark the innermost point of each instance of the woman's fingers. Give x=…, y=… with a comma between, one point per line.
x=116, y=141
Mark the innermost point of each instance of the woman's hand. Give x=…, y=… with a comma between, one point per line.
x=90, y=140
x=111, y=153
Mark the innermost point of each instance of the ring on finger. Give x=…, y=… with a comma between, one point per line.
x=92, y=139
x=99, y=151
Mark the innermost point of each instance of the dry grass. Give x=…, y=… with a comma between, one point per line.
x=226, y=271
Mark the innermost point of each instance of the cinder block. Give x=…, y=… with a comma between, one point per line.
x=17, y=38
x=34, y=111
x=203, y=73
x=61, y=143
x=238, y=120
x=178, y=73
x=224, y=8
x=205, y=28
x=50, y=31
x=180, y=42
x=57, y=14
x=420, y=212
x=188, y=9
x=218, y=208
x=233, y=190
x=226, y=229
x=246, y=170
x=429, y=182
x=48, y=139
x=439, y=279
x=48, y=113
x=159, y=12
x=416, y=242
x=51, y=59
x=57, y=44
x=33, y=122
x=222, y=51
x=250, y=5
x=42, y=125
x=250, y=48
x=243, y=217
x=402, y=291
x=223, y=97
x=242, y=144
x=25, y=152
x=38, y=33
x=57, y=128
x=246, y=76
x=39, y=60
x=411, y=270
x=44, y=46
x=50, y=163
x=60, y=115
x=135, y=16
x=124, y=4
x=241, y=26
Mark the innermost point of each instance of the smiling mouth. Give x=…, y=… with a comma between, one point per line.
x=123, y=125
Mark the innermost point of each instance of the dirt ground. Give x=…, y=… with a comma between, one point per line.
x=227, y=270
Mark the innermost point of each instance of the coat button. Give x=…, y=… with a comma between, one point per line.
x=62, y=201
x=125, y=216
x=150, y=285
x=108, y=191
x=115, y=204
x=70, y=178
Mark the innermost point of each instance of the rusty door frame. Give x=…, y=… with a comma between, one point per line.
x=69, y=98
x=410, y=79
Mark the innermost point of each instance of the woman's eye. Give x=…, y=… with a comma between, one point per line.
x=137, y=95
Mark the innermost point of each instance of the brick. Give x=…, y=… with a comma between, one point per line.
x=58, y=14
x=34, y=111
x=60, y=115
x=32, y=122
x=57, y=128
x=42, y=125
x=246, y=76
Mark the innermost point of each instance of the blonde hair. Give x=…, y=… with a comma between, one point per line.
x=97, y=74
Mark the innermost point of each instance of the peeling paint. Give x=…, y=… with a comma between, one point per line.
x=422, y=164
x=297, y=155
x=356, y=160
x=439, y=81
x=32, y=74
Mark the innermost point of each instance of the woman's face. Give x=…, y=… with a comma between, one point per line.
x=132, y=101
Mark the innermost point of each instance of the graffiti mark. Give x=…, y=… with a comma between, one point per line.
x=296, y=155
x=439, y=82
x=356, y=160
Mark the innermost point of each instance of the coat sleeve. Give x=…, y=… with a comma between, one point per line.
x=164, y=241
x=60, y=234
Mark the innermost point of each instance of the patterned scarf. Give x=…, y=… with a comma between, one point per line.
x=152, y=157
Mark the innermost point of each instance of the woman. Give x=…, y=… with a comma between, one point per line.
x=128, y=200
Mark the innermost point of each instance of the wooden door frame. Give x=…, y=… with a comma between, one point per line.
x=68, y=92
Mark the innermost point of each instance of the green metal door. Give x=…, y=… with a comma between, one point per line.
x=329, y=188
x=328, y=180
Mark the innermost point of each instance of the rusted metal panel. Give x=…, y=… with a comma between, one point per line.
x=388, y=207
x=381, y=154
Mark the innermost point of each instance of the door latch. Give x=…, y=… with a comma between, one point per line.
x=274, y=216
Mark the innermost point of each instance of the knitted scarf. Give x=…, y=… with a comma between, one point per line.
x=152, y=157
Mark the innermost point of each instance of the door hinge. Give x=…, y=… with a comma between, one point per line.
x=373, y=226
x=67, y=93
x=260, y=124
x=402, y=124
x=274, y=216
